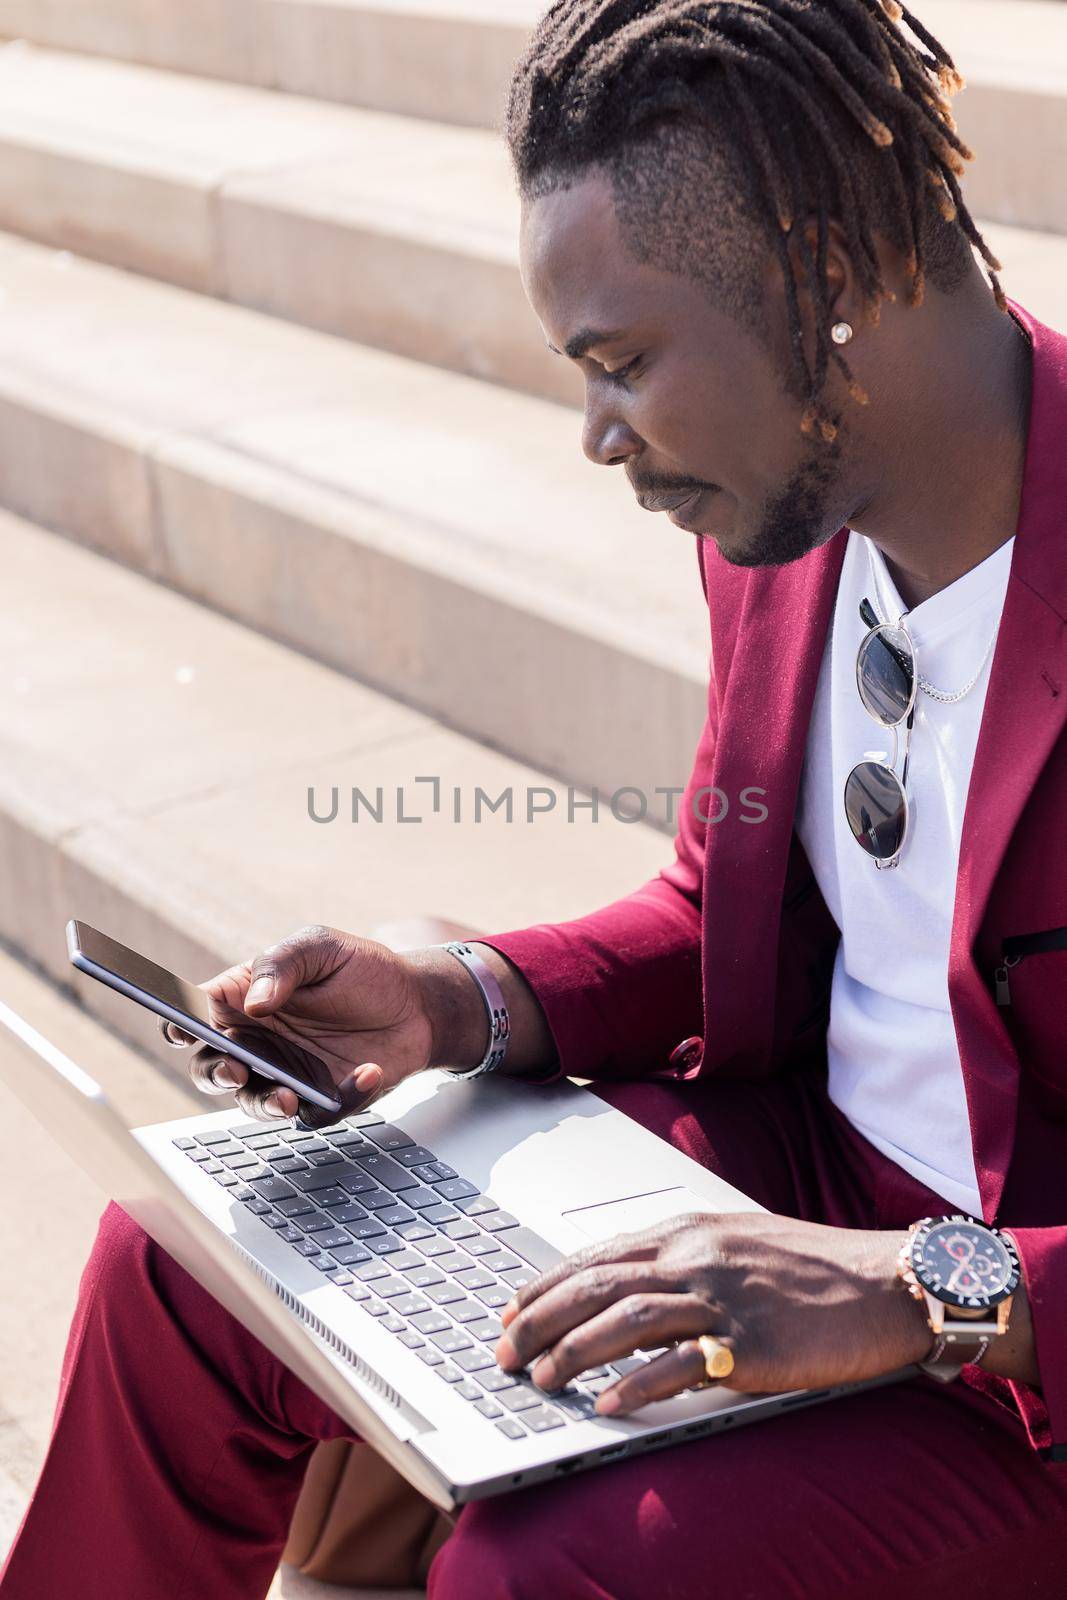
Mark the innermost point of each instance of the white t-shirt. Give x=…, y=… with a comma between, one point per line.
x=893, y=1057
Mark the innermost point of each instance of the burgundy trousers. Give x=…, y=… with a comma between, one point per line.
x=180, y=1443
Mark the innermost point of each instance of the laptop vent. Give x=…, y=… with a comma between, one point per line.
x=321, y=1330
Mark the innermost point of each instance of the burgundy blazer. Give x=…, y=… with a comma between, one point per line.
x=733, y=943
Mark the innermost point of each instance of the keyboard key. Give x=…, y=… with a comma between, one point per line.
x=202, y=1154
x=298, y=1206
x=384, y=1244
x=290, y=1164
x=575, y=1404
x=411, y=1340
x=363, y=1119
x=386, y=1137
x=488, y=1408
x=422, y=1276
x=519, y=1277
x=498, y=1221
x=228, y=1180
x=413, y=1231
x=460, y=1229
x=442, y=1293
x=317, y=1222
x=466, y=1311
x=250, y=1130
x=390, y=1288
x=487, y=1331
x=357, y=1291
x=357, y=1182
x=541, y=1420
x=626, y=1365
x=312, y=1145
x=474, y=1360
x=437, y=1246
x=261, y=1141
x=395, y=1215
x=598, y=1385
x=468, y=1390
x=441, y=1213
x=345, y=1136
x=291, y=1234
x=275, y=1221
x=454, y=1262
x=430, y=1322
x=499, y=1261
x=433, y=1171
x=184, y=1144
x=211, y=1166
x=414, y=1155
x=258, y=1207
x=432, y=1357
x=295, y=1135
x=369, y=1271
x=593, y=1372
x=409, y=1305
x=276, y=1152
x=495, y=1379
x=335, y=1239
x=402, y=1260
x=328, y=1199
x=242, y=1194
x=377, y=1200
x=214, y=1136
x=455, y=1189
x=230, y=1148
x=392, y=1324
x=494, y=1296
x=367, y=1227
x=475, y=1278
x=389, y=1173
x=450, y=1340
x=318, y=1178
x=511, y=1428
x=322, y=1158
x=348, y=1213
x=350, y=1255
x=520, y=1398
x=376, y=1308
x=532, y=1248
x=450, y=1373
x=339, y=1276
x=477, y=1206
x=420, y=1199
x=485, y=1245
x=308, y=1247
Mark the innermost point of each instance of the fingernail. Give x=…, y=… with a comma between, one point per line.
x=368, y=1078
x=273, y=1105
x=607, y=1403
x=225, y=1077
x=506, y=1354
x=261, y=990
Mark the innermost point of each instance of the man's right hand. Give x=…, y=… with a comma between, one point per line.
x=352, y=1002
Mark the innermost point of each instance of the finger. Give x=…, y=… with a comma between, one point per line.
x=215, y=1073
x=265, y=1101
x=359, y=1090
x=567, y=1305
x=640, y=1322
x=304, y=957
x=671, y=1373
x=174, y=1035
x=624, y=1247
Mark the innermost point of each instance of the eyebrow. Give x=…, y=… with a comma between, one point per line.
x=583, y=342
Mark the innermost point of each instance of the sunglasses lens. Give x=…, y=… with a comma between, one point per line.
x=885, y=674
x=876, y=809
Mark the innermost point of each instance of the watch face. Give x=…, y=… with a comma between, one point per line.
x=964, y=1263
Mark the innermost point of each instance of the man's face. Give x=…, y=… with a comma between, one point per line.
x=688, y=399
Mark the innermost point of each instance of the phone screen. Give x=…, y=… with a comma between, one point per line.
x=163, y=992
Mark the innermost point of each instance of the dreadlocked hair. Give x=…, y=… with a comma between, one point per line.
x=818, y=108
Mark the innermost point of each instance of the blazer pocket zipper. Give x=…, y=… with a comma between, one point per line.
x=1017, y=949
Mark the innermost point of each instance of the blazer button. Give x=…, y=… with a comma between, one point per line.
x=685, y=1056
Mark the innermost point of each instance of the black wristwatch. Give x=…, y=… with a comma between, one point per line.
x=965, y=1274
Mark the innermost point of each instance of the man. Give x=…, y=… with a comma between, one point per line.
x=742, y=219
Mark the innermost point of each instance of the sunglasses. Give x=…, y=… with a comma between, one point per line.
x=876, y=801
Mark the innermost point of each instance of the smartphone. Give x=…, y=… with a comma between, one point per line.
x=261, y=1051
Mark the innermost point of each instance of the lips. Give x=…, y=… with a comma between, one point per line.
x=668, y=499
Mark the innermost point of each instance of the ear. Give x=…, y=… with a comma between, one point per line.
x=844, y=298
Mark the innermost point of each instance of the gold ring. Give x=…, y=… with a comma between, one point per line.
x=718, y=1357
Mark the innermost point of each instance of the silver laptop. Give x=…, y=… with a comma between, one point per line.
x=373, y=1258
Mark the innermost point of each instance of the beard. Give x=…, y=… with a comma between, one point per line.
x=799, y=518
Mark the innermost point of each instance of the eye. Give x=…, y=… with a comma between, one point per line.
x=621, y=374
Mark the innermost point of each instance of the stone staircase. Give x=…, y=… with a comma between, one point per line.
x=291, y=496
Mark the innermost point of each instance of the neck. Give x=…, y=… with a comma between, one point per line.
x=957, y=444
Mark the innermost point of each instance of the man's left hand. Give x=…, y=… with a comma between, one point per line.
x=798, y=1304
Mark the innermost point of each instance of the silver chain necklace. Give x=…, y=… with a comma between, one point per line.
x=942, y=696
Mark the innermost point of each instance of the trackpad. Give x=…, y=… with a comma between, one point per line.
x=638, y=1211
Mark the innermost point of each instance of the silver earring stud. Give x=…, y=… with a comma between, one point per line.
x=841, y=332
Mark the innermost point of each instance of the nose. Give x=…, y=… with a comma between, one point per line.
x=606, y=439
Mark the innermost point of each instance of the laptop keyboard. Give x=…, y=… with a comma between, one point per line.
x=415, y=1245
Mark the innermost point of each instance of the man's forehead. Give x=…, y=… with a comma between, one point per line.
x=578, y=274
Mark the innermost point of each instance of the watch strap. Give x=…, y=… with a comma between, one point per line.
x=952, y=1352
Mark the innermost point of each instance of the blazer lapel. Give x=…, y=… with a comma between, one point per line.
x=1025, y=714
x=766, y=708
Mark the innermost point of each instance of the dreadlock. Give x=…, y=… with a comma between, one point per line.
x=822, y=108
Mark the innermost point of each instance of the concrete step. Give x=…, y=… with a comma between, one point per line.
x=439, y=538
x=399, y=233
x=451, y=59
x=155, y=767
